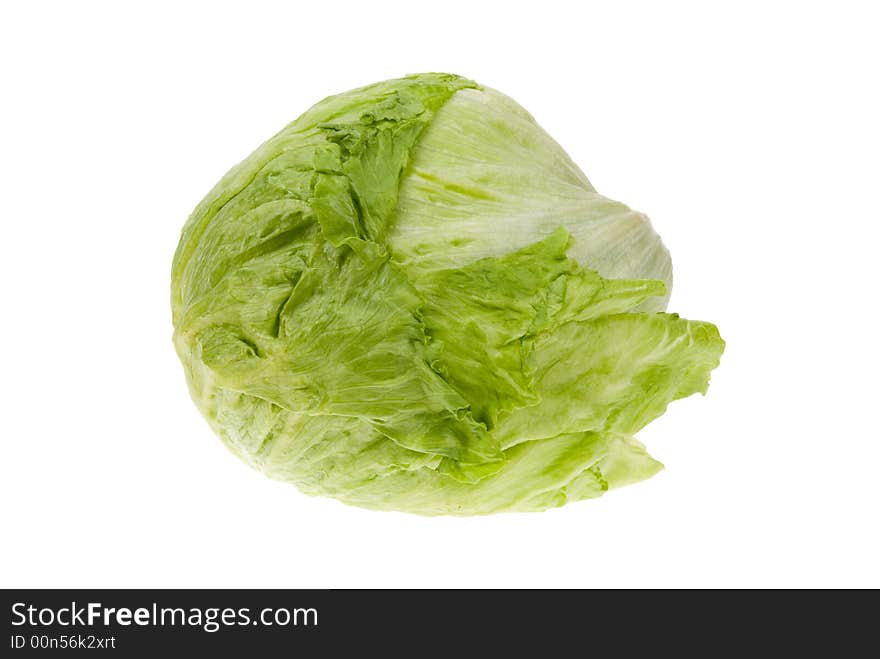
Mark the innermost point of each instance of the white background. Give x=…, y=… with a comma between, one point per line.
x=748, y=134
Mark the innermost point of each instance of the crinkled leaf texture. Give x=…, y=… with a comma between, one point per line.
x=410, y=298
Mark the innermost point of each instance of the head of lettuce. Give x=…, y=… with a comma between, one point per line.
x=412, y=299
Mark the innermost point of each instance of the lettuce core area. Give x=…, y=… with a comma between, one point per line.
x=380, y=305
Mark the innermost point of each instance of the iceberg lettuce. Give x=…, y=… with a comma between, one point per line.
x=411, y=298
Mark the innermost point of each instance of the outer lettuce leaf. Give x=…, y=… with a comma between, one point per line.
x=486, y=180
x=364, y=136
x=345, y=458
x=612, y=373
x=479, y=315
x=346, y=341
x=536, y=476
